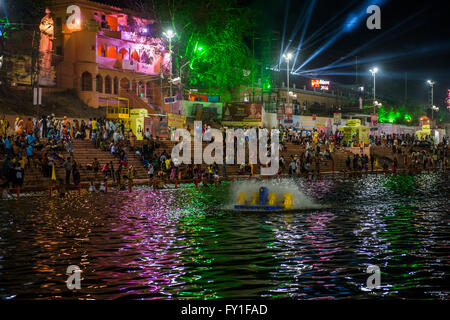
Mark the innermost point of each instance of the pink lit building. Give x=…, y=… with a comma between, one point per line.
x=103, y=52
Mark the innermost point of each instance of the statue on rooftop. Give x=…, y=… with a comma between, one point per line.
x=45, y=49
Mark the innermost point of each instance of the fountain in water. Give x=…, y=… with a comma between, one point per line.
x=273, y=195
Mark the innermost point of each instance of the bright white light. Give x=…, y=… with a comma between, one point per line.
x=430, y=82
x=169, y=34
x=361, y=88
x=374, y=70
x=287, y=56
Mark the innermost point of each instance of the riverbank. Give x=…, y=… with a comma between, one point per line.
x=156, y=184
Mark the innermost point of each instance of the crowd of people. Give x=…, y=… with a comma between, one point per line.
x=47, y=143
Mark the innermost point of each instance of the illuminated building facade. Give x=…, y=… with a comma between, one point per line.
x=107, y=52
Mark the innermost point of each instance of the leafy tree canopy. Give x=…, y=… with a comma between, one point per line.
x=210, y=40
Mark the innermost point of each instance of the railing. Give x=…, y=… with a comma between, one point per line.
x=146, y=68
x=129, y=65
x=105, y=62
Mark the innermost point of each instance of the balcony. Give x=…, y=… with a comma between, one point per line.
x=129, y=65
x=146, y=68
x=108, y=63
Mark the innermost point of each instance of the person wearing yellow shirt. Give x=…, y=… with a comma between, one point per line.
x=94, y=124
x=4, y=124
x=167, y=162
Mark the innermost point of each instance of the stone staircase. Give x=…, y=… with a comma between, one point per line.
x=85, y=152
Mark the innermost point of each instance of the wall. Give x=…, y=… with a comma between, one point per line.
x=190, y=107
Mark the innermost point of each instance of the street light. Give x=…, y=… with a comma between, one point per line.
x=373, y=72
x=431, y=83
x=433, y=108
x=169, y=34
x=288, y=57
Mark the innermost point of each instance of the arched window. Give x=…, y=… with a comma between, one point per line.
x=148, y=90
x=99, y=83
x=123, y=54
x=145, y=58
x=101, y=51
x=86, y=81
x=112, y=52
x=135, y=56
x=116, y=85
x=124, y=84
x=108, y=84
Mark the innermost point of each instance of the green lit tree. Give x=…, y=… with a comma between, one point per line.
x=210, y=41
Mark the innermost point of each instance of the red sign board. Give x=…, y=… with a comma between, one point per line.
x=280, y=115
x=288, y=112
x=374, y=118
x=319, y=83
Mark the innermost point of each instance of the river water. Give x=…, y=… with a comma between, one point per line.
x=180, y=244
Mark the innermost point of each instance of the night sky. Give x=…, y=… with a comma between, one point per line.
x=419, y=47
x=413, y=43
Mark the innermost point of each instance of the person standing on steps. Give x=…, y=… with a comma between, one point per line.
x=75, y=173
x=95, y=167
x=68, y=167
x=372, y=161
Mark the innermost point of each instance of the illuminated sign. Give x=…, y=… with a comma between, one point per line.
x=318, y=83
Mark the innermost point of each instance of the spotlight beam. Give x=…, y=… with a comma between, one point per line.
x=352, y=21
x=308, y=19
x=298, y=24
x=284, y=30
x=380, y=36
x=322, y=31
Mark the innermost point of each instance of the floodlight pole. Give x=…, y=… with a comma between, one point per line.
x=287, y=74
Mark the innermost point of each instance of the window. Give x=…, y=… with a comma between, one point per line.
x=86, y=81
x=99, y=83
x=125, y=84
x=116, y=85
x=108, y=84
x=112, y=52
x=148, y=89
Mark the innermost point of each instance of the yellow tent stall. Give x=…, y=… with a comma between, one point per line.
x=354, y=127
x=426, y=131
x=137, y=122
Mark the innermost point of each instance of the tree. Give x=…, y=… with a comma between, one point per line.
x=210, y=37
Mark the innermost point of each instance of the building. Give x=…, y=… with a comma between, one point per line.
x=304, y=102
x=106, y=52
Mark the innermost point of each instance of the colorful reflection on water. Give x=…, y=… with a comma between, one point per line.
x=180, y=244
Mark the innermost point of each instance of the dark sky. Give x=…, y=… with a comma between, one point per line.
x=419, y=47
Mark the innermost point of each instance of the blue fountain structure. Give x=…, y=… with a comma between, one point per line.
x=264, y=200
